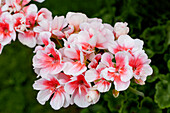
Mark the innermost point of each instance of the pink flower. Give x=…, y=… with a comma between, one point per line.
x=140, y=65
x=121, y=28
x=126, y=43
x=93, y=96
x=75, y=19
x=30, y=13
x=97, y=35
x=11, y=6
x=76, y=66
x=78, y=87
x=27, y=38
x=43, y=26
x=43, y=38
x=20, y=22
x=54, y=26
x=57, y=26
x=43, y=14
x=48, y=61
x=95, y=61
x=94, y=75
x=120, y=73
x=47, y=88
x=7, y=32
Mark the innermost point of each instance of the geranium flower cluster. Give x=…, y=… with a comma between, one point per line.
x=76, y=57
x=18, y=17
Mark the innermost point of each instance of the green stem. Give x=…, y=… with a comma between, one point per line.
x=58, y=42
x=136, y=92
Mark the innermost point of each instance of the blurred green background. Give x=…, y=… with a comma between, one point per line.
x=148, y=20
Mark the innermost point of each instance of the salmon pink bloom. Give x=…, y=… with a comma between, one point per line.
x=78, y=87
x=126, y=43
x=47, y=88
x=140, y=65
x=120, y=73
x=48, y=61
x=7, y=32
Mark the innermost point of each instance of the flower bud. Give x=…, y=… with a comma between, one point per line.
x=139, y=81
x=93, y=96
x=115, y=93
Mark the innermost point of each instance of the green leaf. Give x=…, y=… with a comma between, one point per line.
x=156, y=38
x=130, y=106
x=168, y=64
x=114, y=104
x=162, y=95
x=168, y=111
x=97, y=108
x=150, y=53
x=153, y=108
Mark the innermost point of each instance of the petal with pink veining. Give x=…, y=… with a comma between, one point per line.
x=106, y=59
x=74, y=68
x=79, y=98
x=27, y=38
x=103, y=86
x=120, y=85
x=57, y=101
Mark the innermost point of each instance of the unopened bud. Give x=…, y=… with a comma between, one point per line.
x=115, y=93
x=93, y=96
x=139, y=81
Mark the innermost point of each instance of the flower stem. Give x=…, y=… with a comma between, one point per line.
x=58, y=42
x=136, y=92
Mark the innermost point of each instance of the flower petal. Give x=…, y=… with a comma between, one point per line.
x=79, y=98
x=74, y=68
x=27, y=38
x=43, y=96
x=121, y=86
x=57, y=101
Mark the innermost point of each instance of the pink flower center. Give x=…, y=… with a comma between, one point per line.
x=51, y=84
x=4, y=29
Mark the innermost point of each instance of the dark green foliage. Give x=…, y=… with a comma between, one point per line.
x=148, y=20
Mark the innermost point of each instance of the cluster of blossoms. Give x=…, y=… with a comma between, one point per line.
x=18, y=17
x=76, y=58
